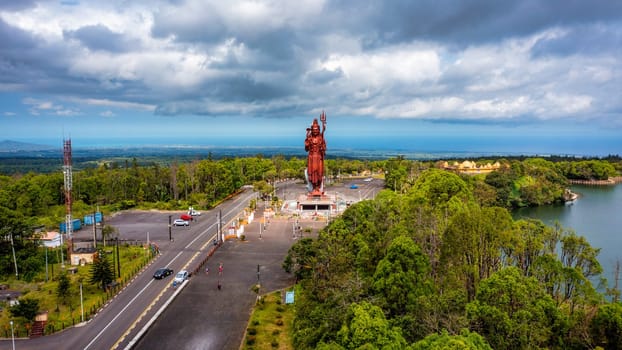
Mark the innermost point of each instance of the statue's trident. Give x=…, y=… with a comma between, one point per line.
x=323, y=120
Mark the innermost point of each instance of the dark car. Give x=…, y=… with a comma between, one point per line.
x=162, y=272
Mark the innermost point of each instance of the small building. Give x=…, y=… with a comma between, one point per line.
x=469, y=167
x=50, y=239
x=82, y=256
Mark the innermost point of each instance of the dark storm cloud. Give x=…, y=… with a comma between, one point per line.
x=583, y=40
x=14, y=39
x=99, y=37
x=15, y=5
x=324, y=76
x=428, y=59
x=464, y=22
x=244, y=88
x=205, y=26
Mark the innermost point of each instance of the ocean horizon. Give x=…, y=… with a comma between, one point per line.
x=415, y=147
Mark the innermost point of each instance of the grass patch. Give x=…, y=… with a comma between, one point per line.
x=270, y=325
x=65, y=314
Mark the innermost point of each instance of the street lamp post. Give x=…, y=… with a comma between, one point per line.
x=12, y=334
x=81, y=304
x=118, y=258
x=170, y=238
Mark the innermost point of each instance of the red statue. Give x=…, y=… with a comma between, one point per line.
x=316, y=146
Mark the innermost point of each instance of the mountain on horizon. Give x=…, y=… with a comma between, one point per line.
x=9, y=146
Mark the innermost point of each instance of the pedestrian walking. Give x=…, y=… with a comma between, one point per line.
x=220, y=270
x=207, y=270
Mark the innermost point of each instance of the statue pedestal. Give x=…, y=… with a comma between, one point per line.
x=321, y=204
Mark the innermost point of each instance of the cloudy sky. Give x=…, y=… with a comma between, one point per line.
x=537, y=72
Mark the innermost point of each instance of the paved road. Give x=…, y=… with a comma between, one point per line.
x=132, y=307
x=204, y=317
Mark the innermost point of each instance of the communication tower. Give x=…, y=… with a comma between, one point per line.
x=67, y=171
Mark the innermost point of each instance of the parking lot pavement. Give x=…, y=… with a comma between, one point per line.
x=206, y=317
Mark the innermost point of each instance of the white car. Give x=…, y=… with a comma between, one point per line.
x=180, y=277
x=181, y=222
x=194, y=213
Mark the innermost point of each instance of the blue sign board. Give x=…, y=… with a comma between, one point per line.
x=289, y=297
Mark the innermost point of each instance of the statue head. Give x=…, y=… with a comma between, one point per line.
x=315, y=128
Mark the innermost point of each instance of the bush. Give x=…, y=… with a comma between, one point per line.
x=279, y=322
x=250, y=340
x=275, y=343
x=252, y=331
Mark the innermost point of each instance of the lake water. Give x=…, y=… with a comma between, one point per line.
x=596, y=215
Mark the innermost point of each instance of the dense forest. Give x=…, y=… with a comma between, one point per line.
x=440, y=263
x=434, y=259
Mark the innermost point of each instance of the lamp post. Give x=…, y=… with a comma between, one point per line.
x=46, y=263
x=170, y=238
x=12, y=334
x=81, y=304
x=118, y=258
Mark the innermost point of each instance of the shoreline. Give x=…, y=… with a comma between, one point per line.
x=610, y=181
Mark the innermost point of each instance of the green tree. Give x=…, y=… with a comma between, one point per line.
x=367, y=328
x=300, y=258
x=464, y=341
x=27, y=308
x=101, y=271
x=514, y=312
x=63, y=290
x=471, y=248
x=401, y=278
x=606, y=326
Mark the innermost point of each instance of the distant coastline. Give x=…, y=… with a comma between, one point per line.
x=610, y=181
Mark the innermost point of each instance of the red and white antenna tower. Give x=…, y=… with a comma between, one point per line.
x=68, y=184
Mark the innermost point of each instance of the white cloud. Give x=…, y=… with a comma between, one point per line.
x=45, y=107
x=274, y=57
x=107, y=114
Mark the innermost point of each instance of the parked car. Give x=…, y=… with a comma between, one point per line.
x=162, y=272
x=181, y=222
x=194, y=213
x=354, y=186
x=180, y=277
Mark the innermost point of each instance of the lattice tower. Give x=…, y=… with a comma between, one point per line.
x=67, y=171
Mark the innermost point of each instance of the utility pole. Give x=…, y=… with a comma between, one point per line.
x=95, y=232
x=118, y=259
x=220, y=237
x=14, y=259
x=81, y=303
x=170, y=238
x=46, y=263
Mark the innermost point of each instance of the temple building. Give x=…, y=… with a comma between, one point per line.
x=469, y=167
